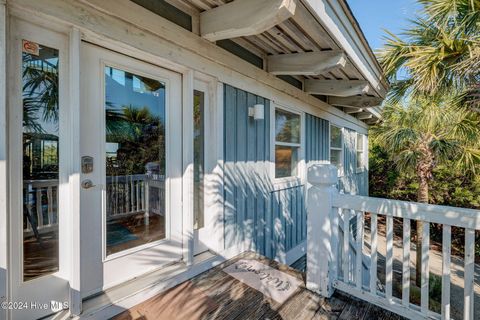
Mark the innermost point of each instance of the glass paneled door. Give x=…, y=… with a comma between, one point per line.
x=131, y=179
x=39, y=187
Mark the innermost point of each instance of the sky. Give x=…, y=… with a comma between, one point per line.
x=376, y=15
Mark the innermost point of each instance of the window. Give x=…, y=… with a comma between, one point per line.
x=135, y=162
x=287, y=143
x=360, y=146
x=336, y=147
x=41, y=160
x=198, y=157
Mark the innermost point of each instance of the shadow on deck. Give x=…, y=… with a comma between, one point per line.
x=216, y=295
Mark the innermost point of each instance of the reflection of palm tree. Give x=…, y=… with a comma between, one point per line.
x=128, y=122
x=141, y=136
x=40, y=91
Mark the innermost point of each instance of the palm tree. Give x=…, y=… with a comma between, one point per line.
x=439, y=52
x=419, y=134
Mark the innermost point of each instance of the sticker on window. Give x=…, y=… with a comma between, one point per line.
x=30, y=47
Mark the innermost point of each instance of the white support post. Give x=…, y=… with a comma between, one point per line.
x=74, y=177
x=322, y=247
x=3, y=159
x=187, y=180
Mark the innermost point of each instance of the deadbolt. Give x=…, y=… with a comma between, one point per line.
x=87, y=164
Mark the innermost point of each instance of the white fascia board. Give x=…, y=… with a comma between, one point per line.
x=340, y=26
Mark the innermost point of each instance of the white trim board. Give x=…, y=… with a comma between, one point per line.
x=124, y=22
x=3, y=160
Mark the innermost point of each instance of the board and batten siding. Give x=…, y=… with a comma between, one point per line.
x=317, y=133
x=268, y=220
x=352, y=182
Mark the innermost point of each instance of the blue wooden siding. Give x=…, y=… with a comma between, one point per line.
x=247, y=152
x=352, y=182
x=288, y=220
x=271, y=221
x=317, y=133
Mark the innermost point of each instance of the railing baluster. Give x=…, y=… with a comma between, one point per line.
x=446, y=249
x=469, y=279
x=373, y=260
x=346, y=245
x=359, y=246
x=406, y=263
x=38, y=206
x=425, y=268
x=27, y=199
x=137, y=189
x=335, y=217
x=389, y=257
x=127, y=195
x=132, y=194
x=50, y=205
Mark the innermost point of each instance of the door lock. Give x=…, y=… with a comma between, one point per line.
x=87, y=164
x=87, y=184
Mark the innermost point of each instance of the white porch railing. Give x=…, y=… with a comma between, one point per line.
x=128, y=195
x=40, y=200
x=333, y=264
x=133, y=193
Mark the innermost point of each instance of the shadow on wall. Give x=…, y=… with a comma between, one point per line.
x=266, y=220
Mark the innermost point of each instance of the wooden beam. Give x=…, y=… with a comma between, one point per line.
x=338, y=88
x=355, y=101
x=244, y=18
x=364, y=116
x=351, y=110
x=306, y=63
x=372, y=121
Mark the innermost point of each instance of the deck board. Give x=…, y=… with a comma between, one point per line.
x=229, y=298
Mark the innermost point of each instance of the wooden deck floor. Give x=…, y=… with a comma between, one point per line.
x=216, y=295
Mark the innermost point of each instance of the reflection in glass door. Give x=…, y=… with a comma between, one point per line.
x=40, y=162
x=198, y=158
x=135, y=160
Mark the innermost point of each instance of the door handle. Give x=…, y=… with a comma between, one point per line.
x=87, y=184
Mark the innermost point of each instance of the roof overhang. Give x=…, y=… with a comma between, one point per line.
x=338, y=19
x=318, y=43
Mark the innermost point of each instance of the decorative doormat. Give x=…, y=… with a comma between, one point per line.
x=118, y=234
x=270, y=282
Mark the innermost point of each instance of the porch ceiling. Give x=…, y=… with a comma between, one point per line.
x=299, y=34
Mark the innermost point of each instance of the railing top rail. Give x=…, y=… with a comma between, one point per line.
x=453, y=216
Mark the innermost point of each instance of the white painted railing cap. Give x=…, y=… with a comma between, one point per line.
x=322, y=174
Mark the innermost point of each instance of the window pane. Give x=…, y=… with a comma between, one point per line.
x=198, y=156
x=359, y=159
x=135, y=160
x=335, y=137
x=359, y=142
x=286, y=159
x=335, y=157
x=287, y=126
x=40, y=162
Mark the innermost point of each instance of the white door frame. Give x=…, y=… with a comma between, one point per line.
x=55, y=286
x=123, y=266
x=3, y=159
x=210, y=236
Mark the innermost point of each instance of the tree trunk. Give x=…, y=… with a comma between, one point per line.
x=422, y=196
x=424, y=173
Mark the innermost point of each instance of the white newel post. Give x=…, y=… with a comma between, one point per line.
x=322, y=228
